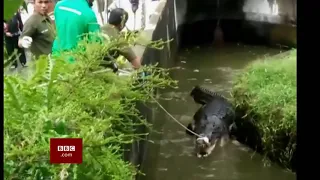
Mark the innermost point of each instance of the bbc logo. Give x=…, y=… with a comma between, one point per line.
x=66, y=148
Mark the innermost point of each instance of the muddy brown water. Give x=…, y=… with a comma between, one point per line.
x=171, y=156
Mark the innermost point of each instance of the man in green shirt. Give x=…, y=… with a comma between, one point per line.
x=38, y=33
x=116, y=22
x=73, y=18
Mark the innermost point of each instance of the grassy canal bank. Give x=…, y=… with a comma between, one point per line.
x=265, y=97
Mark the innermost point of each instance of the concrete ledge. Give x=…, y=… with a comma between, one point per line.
x=160, y=25
x=249, y=16
x=250, y=32
x=164, y=27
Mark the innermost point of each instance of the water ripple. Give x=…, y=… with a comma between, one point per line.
x=175, y=156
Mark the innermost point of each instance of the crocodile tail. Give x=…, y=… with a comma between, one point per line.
x=201, y=95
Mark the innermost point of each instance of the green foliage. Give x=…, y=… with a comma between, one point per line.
x=267, y=91
x=75, y=100
x=11, y=6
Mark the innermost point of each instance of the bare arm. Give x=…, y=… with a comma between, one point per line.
x=131, y=56
x=136, y=63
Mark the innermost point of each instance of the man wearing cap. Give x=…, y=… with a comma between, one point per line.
x=116, y=22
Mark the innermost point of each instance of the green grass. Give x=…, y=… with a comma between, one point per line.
x=266, y=90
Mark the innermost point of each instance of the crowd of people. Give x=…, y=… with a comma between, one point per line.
x=44, y=34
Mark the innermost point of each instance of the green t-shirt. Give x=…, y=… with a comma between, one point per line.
x=73, y=19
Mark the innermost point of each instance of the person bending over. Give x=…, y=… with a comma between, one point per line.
x=116, y=22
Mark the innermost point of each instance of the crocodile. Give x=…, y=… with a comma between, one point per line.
x=213, y=121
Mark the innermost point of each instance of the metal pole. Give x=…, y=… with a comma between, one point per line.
x=107, y=10
x=143, y=14
x=134, y=24
x=134, y=7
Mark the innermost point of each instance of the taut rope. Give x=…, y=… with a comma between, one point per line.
x=183, y=126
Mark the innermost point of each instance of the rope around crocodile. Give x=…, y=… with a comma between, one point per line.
x=178, y=122
x=183, y=126
x=154, y=99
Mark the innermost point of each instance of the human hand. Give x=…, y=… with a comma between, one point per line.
x=5, y=27
x=26, y=42
x=136, y=63
x=8, y=34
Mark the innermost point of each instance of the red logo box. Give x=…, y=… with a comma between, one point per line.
x=66, y=150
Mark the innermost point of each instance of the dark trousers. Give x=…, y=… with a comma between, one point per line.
x=11, y=45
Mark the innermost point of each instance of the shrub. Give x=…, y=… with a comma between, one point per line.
x=266, y=91
x=74, y=100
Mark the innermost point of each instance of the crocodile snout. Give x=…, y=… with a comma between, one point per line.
x=203, y=141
